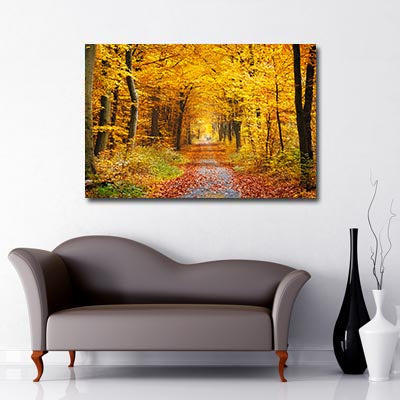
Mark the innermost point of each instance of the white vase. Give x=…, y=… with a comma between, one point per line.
x=396, y=358
x=379, y=339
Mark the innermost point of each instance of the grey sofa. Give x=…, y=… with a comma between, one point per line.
x=110, y=293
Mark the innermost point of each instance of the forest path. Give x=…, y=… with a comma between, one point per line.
x=207, y=174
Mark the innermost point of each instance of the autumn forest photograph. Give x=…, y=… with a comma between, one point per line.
x=210, y=121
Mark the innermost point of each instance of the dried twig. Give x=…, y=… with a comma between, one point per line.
x=384, y=255
x=374, y=254
x=378, y=242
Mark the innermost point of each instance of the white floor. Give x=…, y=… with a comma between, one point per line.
x=190, y=383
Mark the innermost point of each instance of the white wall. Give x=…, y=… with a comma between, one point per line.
x=42, y=144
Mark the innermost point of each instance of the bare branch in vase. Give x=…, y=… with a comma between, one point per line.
x=378, y=242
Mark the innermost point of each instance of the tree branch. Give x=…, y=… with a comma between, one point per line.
x=384, y=255
x=374, y=254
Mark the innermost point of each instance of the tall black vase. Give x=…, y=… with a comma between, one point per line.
x=353, y=315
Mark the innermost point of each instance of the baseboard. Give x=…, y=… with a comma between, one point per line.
x=173, y=358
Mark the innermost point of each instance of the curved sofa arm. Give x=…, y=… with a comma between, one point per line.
x=47, y=288
x=284, y=299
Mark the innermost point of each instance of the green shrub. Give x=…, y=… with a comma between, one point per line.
x=118, y=190
x=133, y=173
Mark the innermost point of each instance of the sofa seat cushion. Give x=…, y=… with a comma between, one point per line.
x=161, y=327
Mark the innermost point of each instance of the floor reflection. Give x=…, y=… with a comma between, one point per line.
x=383, y=390
x=351, y=387
x=194, y=383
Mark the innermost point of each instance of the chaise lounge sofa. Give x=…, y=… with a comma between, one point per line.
x=110, y=293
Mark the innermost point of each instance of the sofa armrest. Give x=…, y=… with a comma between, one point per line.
x=284, y=299
x=47, y=288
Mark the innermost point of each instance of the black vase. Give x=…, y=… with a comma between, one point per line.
x=353, y=315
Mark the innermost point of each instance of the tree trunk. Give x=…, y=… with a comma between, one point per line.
x=155, y=115
x=154, y=130
x=236, y=129
x=114, y=110
x=182, y=104
x=188, y=134
x=268, y=135
x=134, y=99
x=105, y=119
x=90, y=54
x=220, y=131
x=115, y=105
x=115, y=98
x=308, y=98
x=184, y=97
x=304, y=160
x=168, y=116
x=278, y=118
x=277, y=112
x=224, y=131
x=132, y=125
x=230, y=131
x=179, y=131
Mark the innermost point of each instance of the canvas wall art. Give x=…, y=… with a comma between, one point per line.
x=210, y=121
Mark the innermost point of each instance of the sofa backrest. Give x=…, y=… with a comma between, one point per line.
x=113, y=270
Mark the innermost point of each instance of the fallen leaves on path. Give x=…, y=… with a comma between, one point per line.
x=208, y=169
x=262, y=186
x=179, y=186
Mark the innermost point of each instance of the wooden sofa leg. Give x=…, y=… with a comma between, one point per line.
x=283, y=356
x=72, y=358
x=37, y=359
